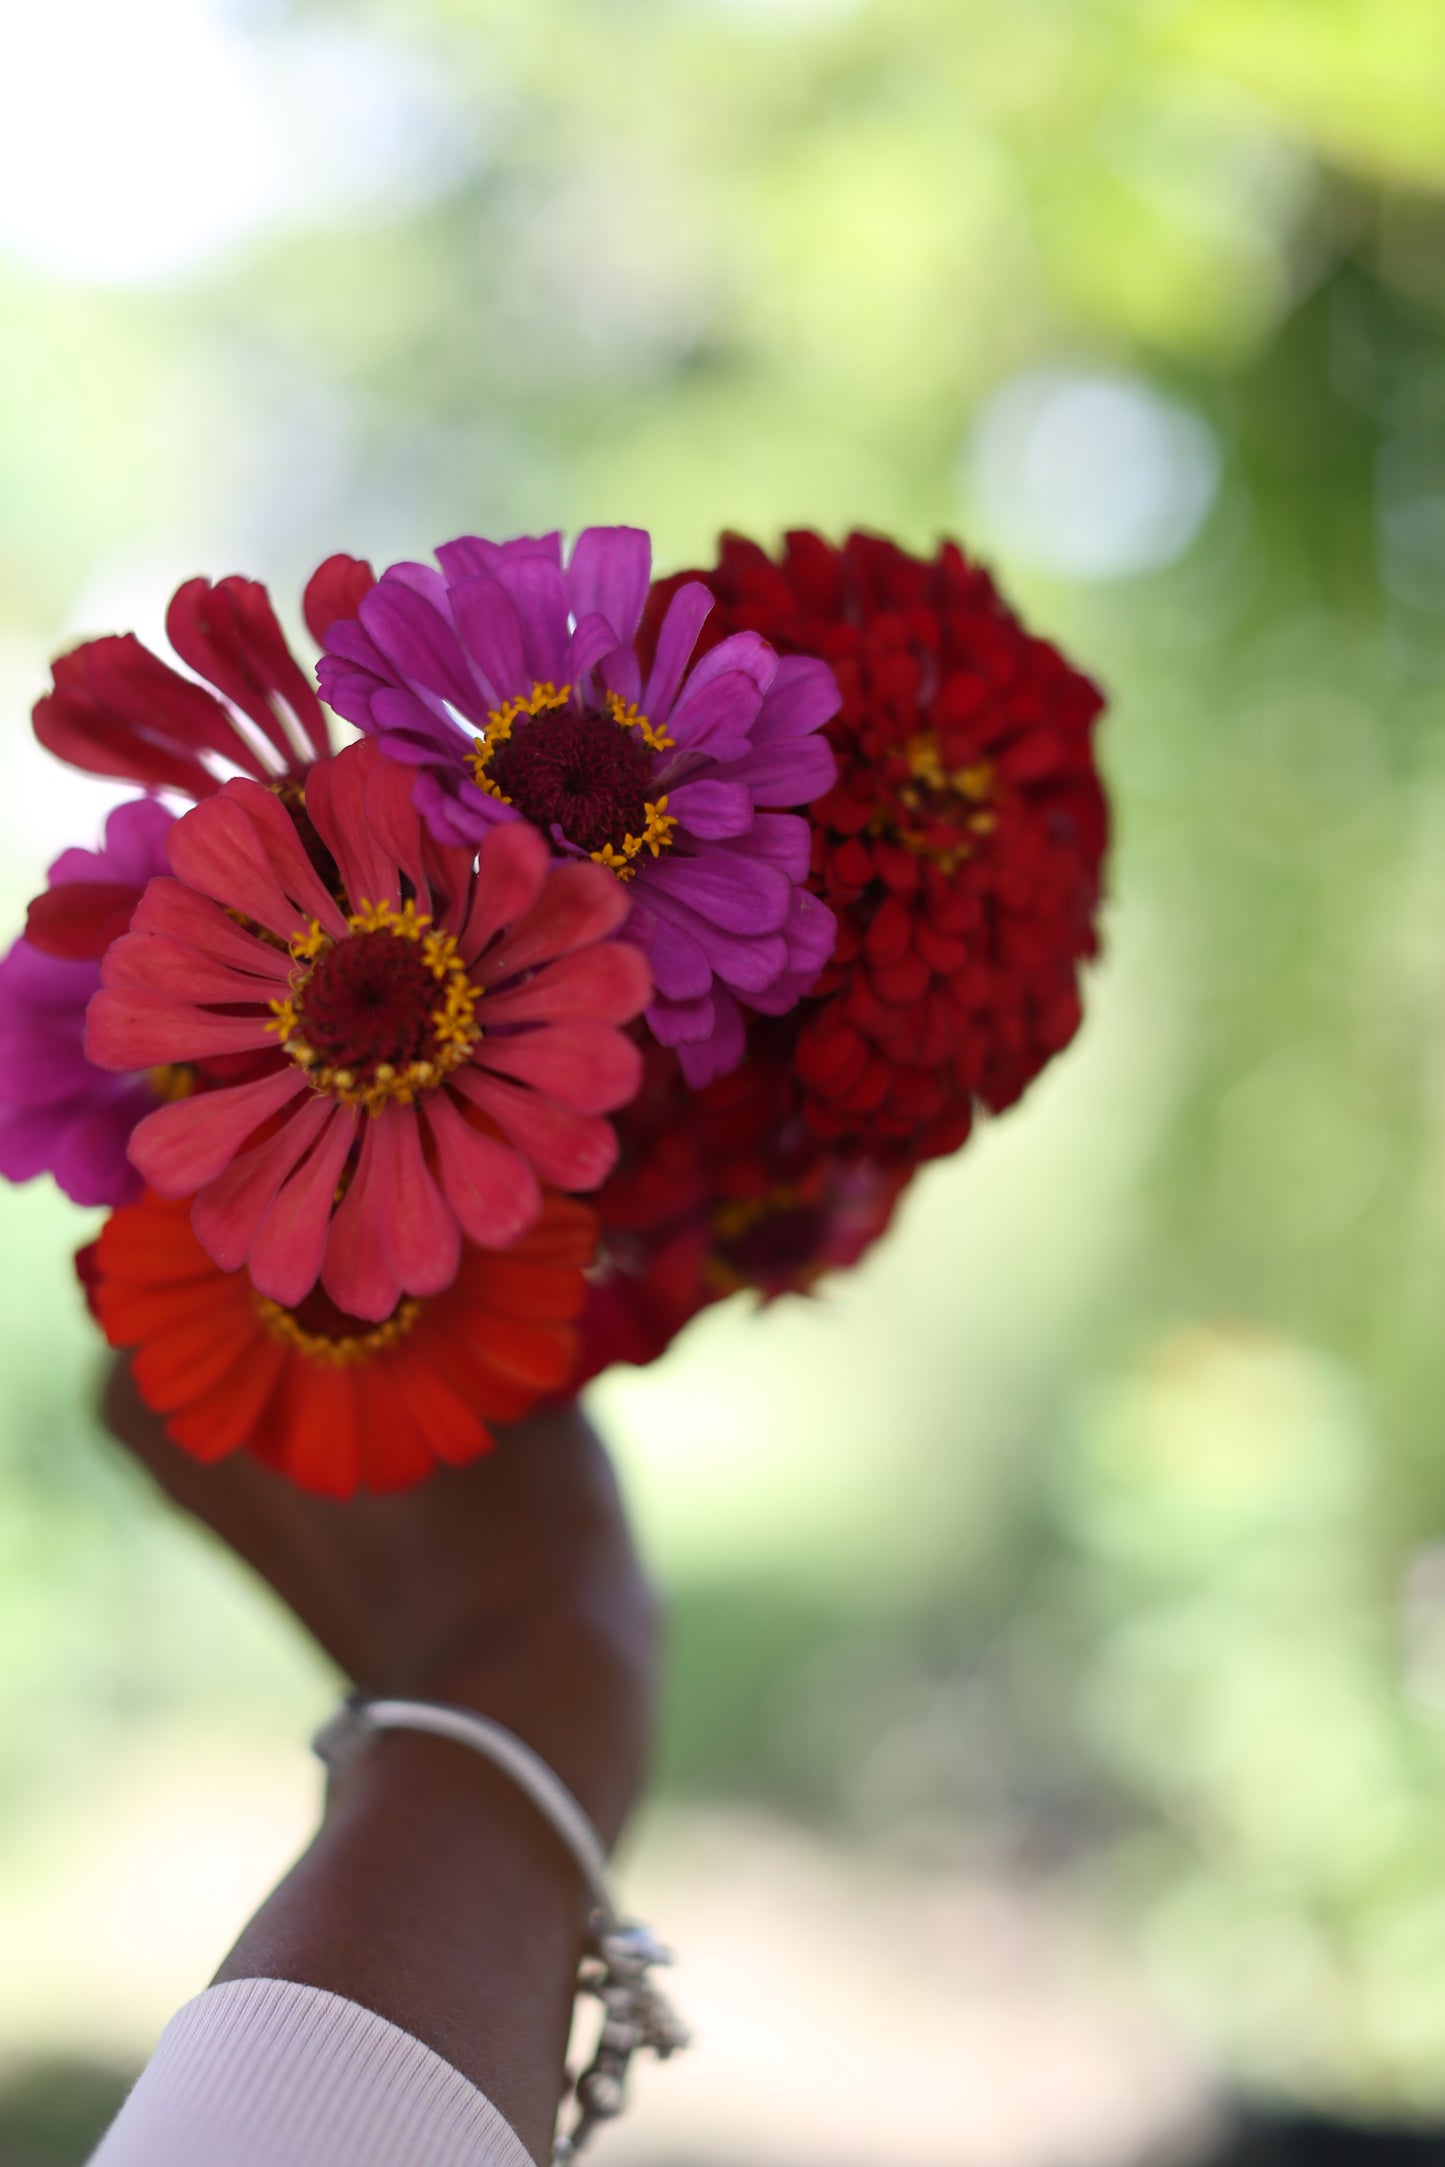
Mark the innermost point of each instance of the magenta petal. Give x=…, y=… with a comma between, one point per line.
x=679, y=963
x=712, y=809
x=420, y=642
x=686, y=615
x=682, y=1023
x=592, y=642
x=285, y=1259
x=720, y=1054
x=609, y=572
x=716, y=719
x=536, y=588
x=730, y=889
x=493, y=1191
x=748, y=961
x=803, y=695
x=491, y=632
x=793, y=772
x=90, y=1162
x=181, y=1147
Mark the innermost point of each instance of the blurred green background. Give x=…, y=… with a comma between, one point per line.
x=1061, y=1599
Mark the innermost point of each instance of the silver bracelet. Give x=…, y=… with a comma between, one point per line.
x=618, y=1954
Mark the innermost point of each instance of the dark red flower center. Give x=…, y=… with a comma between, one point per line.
x=940, y=811
x=370, y=1000
x=582, y=771
x=381, y=1015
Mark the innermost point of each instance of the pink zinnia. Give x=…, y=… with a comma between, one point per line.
x=512, y=686
x=431, y=1038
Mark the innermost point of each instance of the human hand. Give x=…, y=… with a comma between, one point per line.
x=511, y=1586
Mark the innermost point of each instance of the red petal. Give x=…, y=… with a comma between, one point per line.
x=179, y=1148
x=571, y=1150
x=423, y=1240
x=588, y=1066
x=510, y=872
x=290, y=1242
x=80, y=919
x=579, y=904
x=356, y=1271
x=229, y=635
x=493, y=1192
x=335, y=589
x=607, y=984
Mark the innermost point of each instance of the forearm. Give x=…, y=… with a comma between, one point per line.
x=436, y=1895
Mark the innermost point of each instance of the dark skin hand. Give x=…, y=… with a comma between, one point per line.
x=433, y=1893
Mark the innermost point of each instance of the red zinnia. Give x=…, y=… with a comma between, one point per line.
x=721, y=1190
x=335, y=1402
x=116, y=709
x=430, y=1032
x=961, y=848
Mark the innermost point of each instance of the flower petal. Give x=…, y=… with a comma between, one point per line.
x=336, y=802
x=420, y=1228
x=537, y=589
x=578, y=904
x=571, y=1150
x=736, y=892
x=686, y=614
x=511, y=868
x=608, y=573
x=285, y=1256
x=712, y=809
x=357, y=1271
x=181, y=1147
x=588, y=1066
x=230, y=1208
x=607, y=984
x=137, y=1028
x=491, y=633
x=493, y=1191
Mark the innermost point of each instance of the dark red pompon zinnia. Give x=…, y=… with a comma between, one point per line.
x=961, y=848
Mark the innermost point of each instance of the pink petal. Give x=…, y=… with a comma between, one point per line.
x=169, y=907
x=571, y=1150
x=510, y=871
x=608, y=984
x=608, y=573
x=357, y=1271
x=138, y=1028
x=154, y=959
x=578, y=904
x=493, y=1192
x=179, y=1148
x=229, y=1209
x=679, y=963
x=803, y=695
x=418, y=640
x=286, y=853
x=594, y=641
x=336, y=799
x=285, y=1259
x=716, y=718
x=588, y=1066
x=422, y=1237
x=732, y=890
x=682, y=1023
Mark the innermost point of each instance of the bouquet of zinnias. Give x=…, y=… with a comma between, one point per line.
x=722, y=902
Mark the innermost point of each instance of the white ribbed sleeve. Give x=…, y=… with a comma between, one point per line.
x=263, y=2073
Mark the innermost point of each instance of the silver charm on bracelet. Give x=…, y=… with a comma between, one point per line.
x=619, y=1956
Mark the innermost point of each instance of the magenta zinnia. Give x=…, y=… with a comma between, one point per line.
x=512, y=687
x=431, y=1033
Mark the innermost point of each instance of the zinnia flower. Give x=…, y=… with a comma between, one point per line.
x=961, y=847
x=407, y=1014
x=60, y=1114
x=718, y=1191
x=513, y=688
x=338, y=1402
x=116, y=709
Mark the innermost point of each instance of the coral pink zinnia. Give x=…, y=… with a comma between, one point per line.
x=430, y=1039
